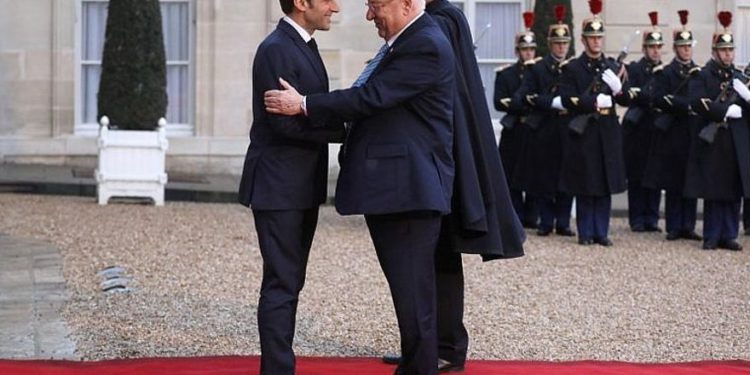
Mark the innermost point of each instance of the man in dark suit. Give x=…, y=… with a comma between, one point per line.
x=397, y=166
x=285, y=174
x=482, y=219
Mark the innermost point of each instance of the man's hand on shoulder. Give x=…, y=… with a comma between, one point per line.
x=284, y=102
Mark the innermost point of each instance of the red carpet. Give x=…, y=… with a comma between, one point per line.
x=357, y=366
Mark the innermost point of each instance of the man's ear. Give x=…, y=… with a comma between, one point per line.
x=300, y=5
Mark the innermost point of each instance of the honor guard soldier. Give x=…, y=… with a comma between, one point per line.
x=719, y=161
x=666, y=164
x=638, y=129
x=539, y=172
x=515, y=130
x=593, y=168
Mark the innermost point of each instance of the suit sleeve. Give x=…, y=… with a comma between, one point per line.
x=412, y=70
x=272, y=63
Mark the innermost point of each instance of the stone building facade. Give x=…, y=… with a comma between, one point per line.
x=50, y=51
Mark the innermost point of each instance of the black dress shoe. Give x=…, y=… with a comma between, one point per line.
x=652, y=228
x=671, y=236
x=566, y=232
x=530, y=225
x=709, y=245
x=585, y=242
x=543, y=232
x=730, y=245
x=391, y=359
x=604, y=241
x=445, y=366
x=690, y=235
x=638, y=228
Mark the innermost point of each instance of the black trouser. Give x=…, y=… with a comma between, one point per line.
x=453, y=340
x=284, y=238
x=405, y=245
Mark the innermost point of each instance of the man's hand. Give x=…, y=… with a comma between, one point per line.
x=741, y=89
x=610, y=78
x=283, y=102
x=603, y=101
x=734, y=111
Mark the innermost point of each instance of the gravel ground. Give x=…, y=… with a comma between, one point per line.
x=196, y=270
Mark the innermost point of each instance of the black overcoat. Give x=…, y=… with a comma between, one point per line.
x=593, y=163
x=667, y=161
x=638, y=122
x=512, y=140
x=719, y=170
x=539, y=167
x=483, y=220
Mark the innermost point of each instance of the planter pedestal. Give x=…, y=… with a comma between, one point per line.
x=131, y=163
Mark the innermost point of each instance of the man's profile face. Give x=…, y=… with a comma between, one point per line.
x=684, y=52
x=559, y=49
x=389, y=16
x=319, y=12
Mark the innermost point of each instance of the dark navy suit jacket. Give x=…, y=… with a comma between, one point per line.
x=286, y=166
x=398, y=154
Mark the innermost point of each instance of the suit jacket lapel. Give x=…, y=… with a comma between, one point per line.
x=423, y=21
x=314, y=58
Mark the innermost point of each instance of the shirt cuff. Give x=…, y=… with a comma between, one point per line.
x=304, y=105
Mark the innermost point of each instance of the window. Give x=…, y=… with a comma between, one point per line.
x=494, y=23
x=177, y=24
x=741, y=30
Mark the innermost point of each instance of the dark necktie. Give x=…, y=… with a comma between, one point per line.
x=313, y=45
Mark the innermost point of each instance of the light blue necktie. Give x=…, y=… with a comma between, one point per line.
x=371, y=65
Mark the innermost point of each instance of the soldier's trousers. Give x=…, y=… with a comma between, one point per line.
x=592, y=216
x=643, y=206
x=526, y=207
x=721, y=220
x=679, y=212
x=555, y=212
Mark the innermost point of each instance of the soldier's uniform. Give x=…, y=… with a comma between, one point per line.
x=515, y=131
x=593, y=168
x=539, y=171
x=719, y=168
x=667, y=161
x=637, y=132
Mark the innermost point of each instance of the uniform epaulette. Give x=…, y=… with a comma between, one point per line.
x=567, y=61
x=658, y=68
x=501, y=68
x=533, y=61
x=696, y=69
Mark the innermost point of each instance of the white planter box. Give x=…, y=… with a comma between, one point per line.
x=131, y=163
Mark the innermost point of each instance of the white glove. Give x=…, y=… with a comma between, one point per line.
x=610, y=78
x=741, y=89
x=603, y=101
x=734, y=111
x=557, y=103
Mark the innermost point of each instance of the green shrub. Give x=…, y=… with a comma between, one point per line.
x=132, y=90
